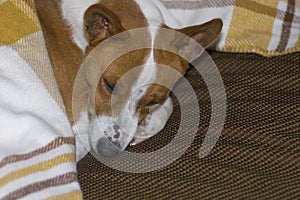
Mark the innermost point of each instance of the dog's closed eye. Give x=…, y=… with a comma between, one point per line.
x=109, y=86
x=152, y=103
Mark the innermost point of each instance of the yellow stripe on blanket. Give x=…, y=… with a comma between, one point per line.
x=42, y=166
x=255, y=17
x=75, y=195
x=16, y=22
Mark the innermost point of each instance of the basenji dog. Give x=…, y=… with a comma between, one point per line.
x=74, y=28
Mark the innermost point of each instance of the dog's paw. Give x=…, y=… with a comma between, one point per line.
x=154, y=122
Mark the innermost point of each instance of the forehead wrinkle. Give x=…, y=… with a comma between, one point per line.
x=149, y=69
x=154, y=20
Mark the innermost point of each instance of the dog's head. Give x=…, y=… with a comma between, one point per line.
x=133, y=84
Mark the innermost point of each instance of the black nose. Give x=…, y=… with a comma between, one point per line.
x=106, y=148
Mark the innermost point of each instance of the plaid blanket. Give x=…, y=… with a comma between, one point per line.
x=37, y=147
x=265, y=27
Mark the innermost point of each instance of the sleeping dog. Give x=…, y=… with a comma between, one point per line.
x=73, y=29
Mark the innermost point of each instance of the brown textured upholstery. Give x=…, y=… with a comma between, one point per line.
x=256, y=157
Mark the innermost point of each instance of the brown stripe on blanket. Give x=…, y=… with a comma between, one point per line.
x=281, y=15
x=250, y=5
x=52, y=145
x=64, y=179
x=287, y=25
x=190, y=5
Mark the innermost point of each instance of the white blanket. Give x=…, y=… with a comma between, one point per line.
x=37, y=146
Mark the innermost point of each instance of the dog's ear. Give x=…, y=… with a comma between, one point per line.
x=205, y=34
x=100, y=23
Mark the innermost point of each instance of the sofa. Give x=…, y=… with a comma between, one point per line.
x=256, y=156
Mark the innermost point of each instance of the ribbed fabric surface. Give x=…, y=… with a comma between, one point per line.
x=256, y=157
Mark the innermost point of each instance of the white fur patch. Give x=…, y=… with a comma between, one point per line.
x=148, y=74
x=81, y=132
x=103, y=126
x=154, y=122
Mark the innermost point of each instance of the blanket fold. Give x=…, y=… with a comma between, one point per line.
x=269, y=28
x=37, y=145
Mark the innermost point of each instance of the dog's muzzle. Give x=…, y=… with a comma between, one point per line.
x=114, y=141
x=106, y=148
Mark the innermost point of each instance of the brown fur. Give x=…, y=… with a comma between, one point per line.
x=65, y=56
x=103, y=20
